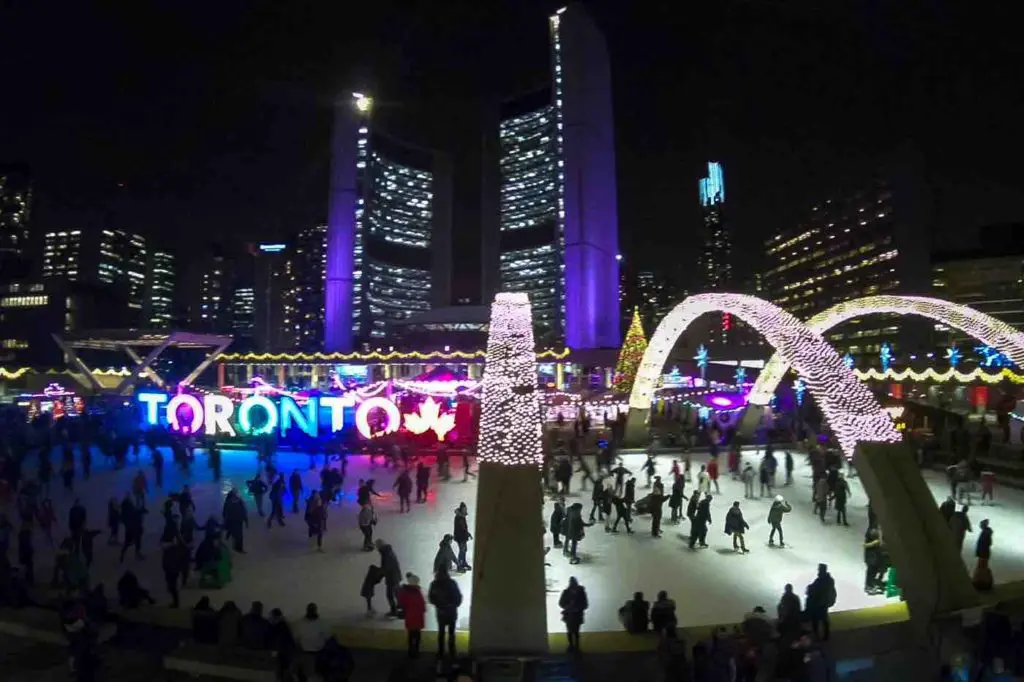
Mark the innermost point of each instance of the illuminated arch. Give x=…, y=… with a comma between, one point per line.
x=848, y=406
x=985, y=328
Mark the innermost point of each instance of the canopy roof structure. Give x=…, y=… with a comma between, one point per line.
x=134, y=341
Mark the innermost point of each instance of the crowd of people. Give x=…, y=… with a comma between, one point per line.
x=207, y=549
x=614, y=489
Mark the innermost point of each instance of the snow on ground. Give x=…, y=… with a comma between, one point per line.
x=713, y=585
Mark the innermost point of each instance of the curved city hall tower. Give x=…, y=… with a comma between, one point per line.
x=388, y=229
x=557, y=237
x=548, y=217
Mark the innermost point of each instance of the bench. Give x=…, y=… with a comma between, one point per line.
x=234, y=663
x=43, y=625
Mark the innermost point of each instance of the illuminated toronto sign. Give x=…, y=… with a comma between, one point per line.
x=214, y=414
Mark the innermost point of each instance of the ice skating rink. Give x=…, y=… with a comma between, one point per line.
x=714, y=585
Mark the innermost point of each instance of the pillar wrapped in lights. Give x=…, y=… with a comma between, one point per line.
x=985, y=328
x=508, y=614
x=849, y=408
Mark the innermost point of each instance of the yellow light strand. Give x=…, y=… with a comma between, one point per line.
x=931, y=374
x=375, y=355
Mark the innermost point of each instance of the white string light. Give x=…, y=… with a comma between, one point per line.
x=510, y=417
x=848, y=406
x=976, y=324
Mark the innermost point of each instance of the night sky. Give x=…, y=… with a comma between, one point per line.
x=210, y=120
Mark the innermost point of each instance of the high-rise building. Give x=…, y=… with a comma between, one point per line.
x=871, y=239
x=715, y=261
x=15, y=211
x=305, y=271
x=716, y=257
x=272, y=282
x=31, y=312
x=62, y=256
x=160, y=285
x=558, y=230
x=211, y=310
x=990, y=280
x=114, y=257
x=389, y=222
x=243, y=316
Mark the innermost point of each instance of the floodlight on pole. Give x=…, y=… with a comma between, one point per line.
x=362, y=103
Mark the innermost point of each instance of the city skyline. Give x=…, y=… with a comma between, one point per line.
x=222, y=174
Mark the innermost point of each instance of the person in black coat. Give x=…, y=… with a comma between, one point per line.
x=691, y=508
x=557, y=516
x=574, y=530
x=204, y=622
x=597, y=500
x=76, y=518
x=113, y=520
x=235, y=517
x=422, y=481
x=629, y=496
x=403, y=485
x=392, y=574
x=983, y=549
x=947, y=509
x=277, y=492
x=174, y=561
x=657, y=499
x=699, y=525
x=462, y=535
x=131, y=517
x=736, y=526
x=676, y=497
x=258, y=489
x=622, y=513
x=574, y=604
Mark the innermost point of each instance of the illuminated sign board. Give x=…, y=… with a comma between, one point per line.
x=214, y=414
x=273, y=248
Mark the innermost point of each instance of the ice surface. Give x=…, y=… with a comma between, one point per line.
x=714, y=585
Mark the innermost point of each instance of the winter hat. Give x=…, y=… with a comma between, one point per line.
x=779, y=498
x=412, y=579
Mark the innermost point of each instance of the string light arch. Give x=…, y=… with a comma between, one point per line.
x=510, y=417
x=848, y=406
x=985, y=328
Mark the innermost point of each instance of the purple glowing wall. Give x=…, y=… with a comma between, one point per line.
x=591, y=212
x=341, y=229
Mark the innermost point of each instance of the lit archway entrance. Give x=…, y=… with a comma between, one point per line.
x=852, y=412
x=985, y=328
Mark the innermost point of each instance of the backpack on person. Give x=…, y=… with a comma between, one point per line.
x=830, y=594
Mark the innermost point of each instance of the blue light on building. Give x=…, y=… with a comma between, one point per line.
x=712, y=188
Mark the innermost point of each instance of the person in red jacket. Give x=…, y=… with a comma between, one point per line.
x=713, y=473
x=414, y=606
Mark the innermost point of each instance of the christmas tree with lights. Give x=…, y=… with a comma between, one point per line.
x=629, y=357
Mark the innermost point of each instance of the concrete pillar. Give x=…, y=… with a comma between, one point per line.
x=248, y=373
x=314, y=376
x=931, y=573
x=281, y=377
x=750, y=420
x=220, y=375
x=637, y=433
x=559, y=376
x=509, y=611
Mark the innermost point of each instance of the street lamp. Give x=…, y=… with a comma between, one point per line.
x=362, y=103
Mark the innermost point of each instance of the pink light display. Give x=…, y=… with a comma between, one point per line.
x=848, y=406
x=510, y=417
x=985, y=328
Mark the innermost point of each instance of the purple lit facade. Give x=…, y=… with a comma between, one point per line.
x=388, y=237
x=591, y=224
x=341, y=227
x=557, y=237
